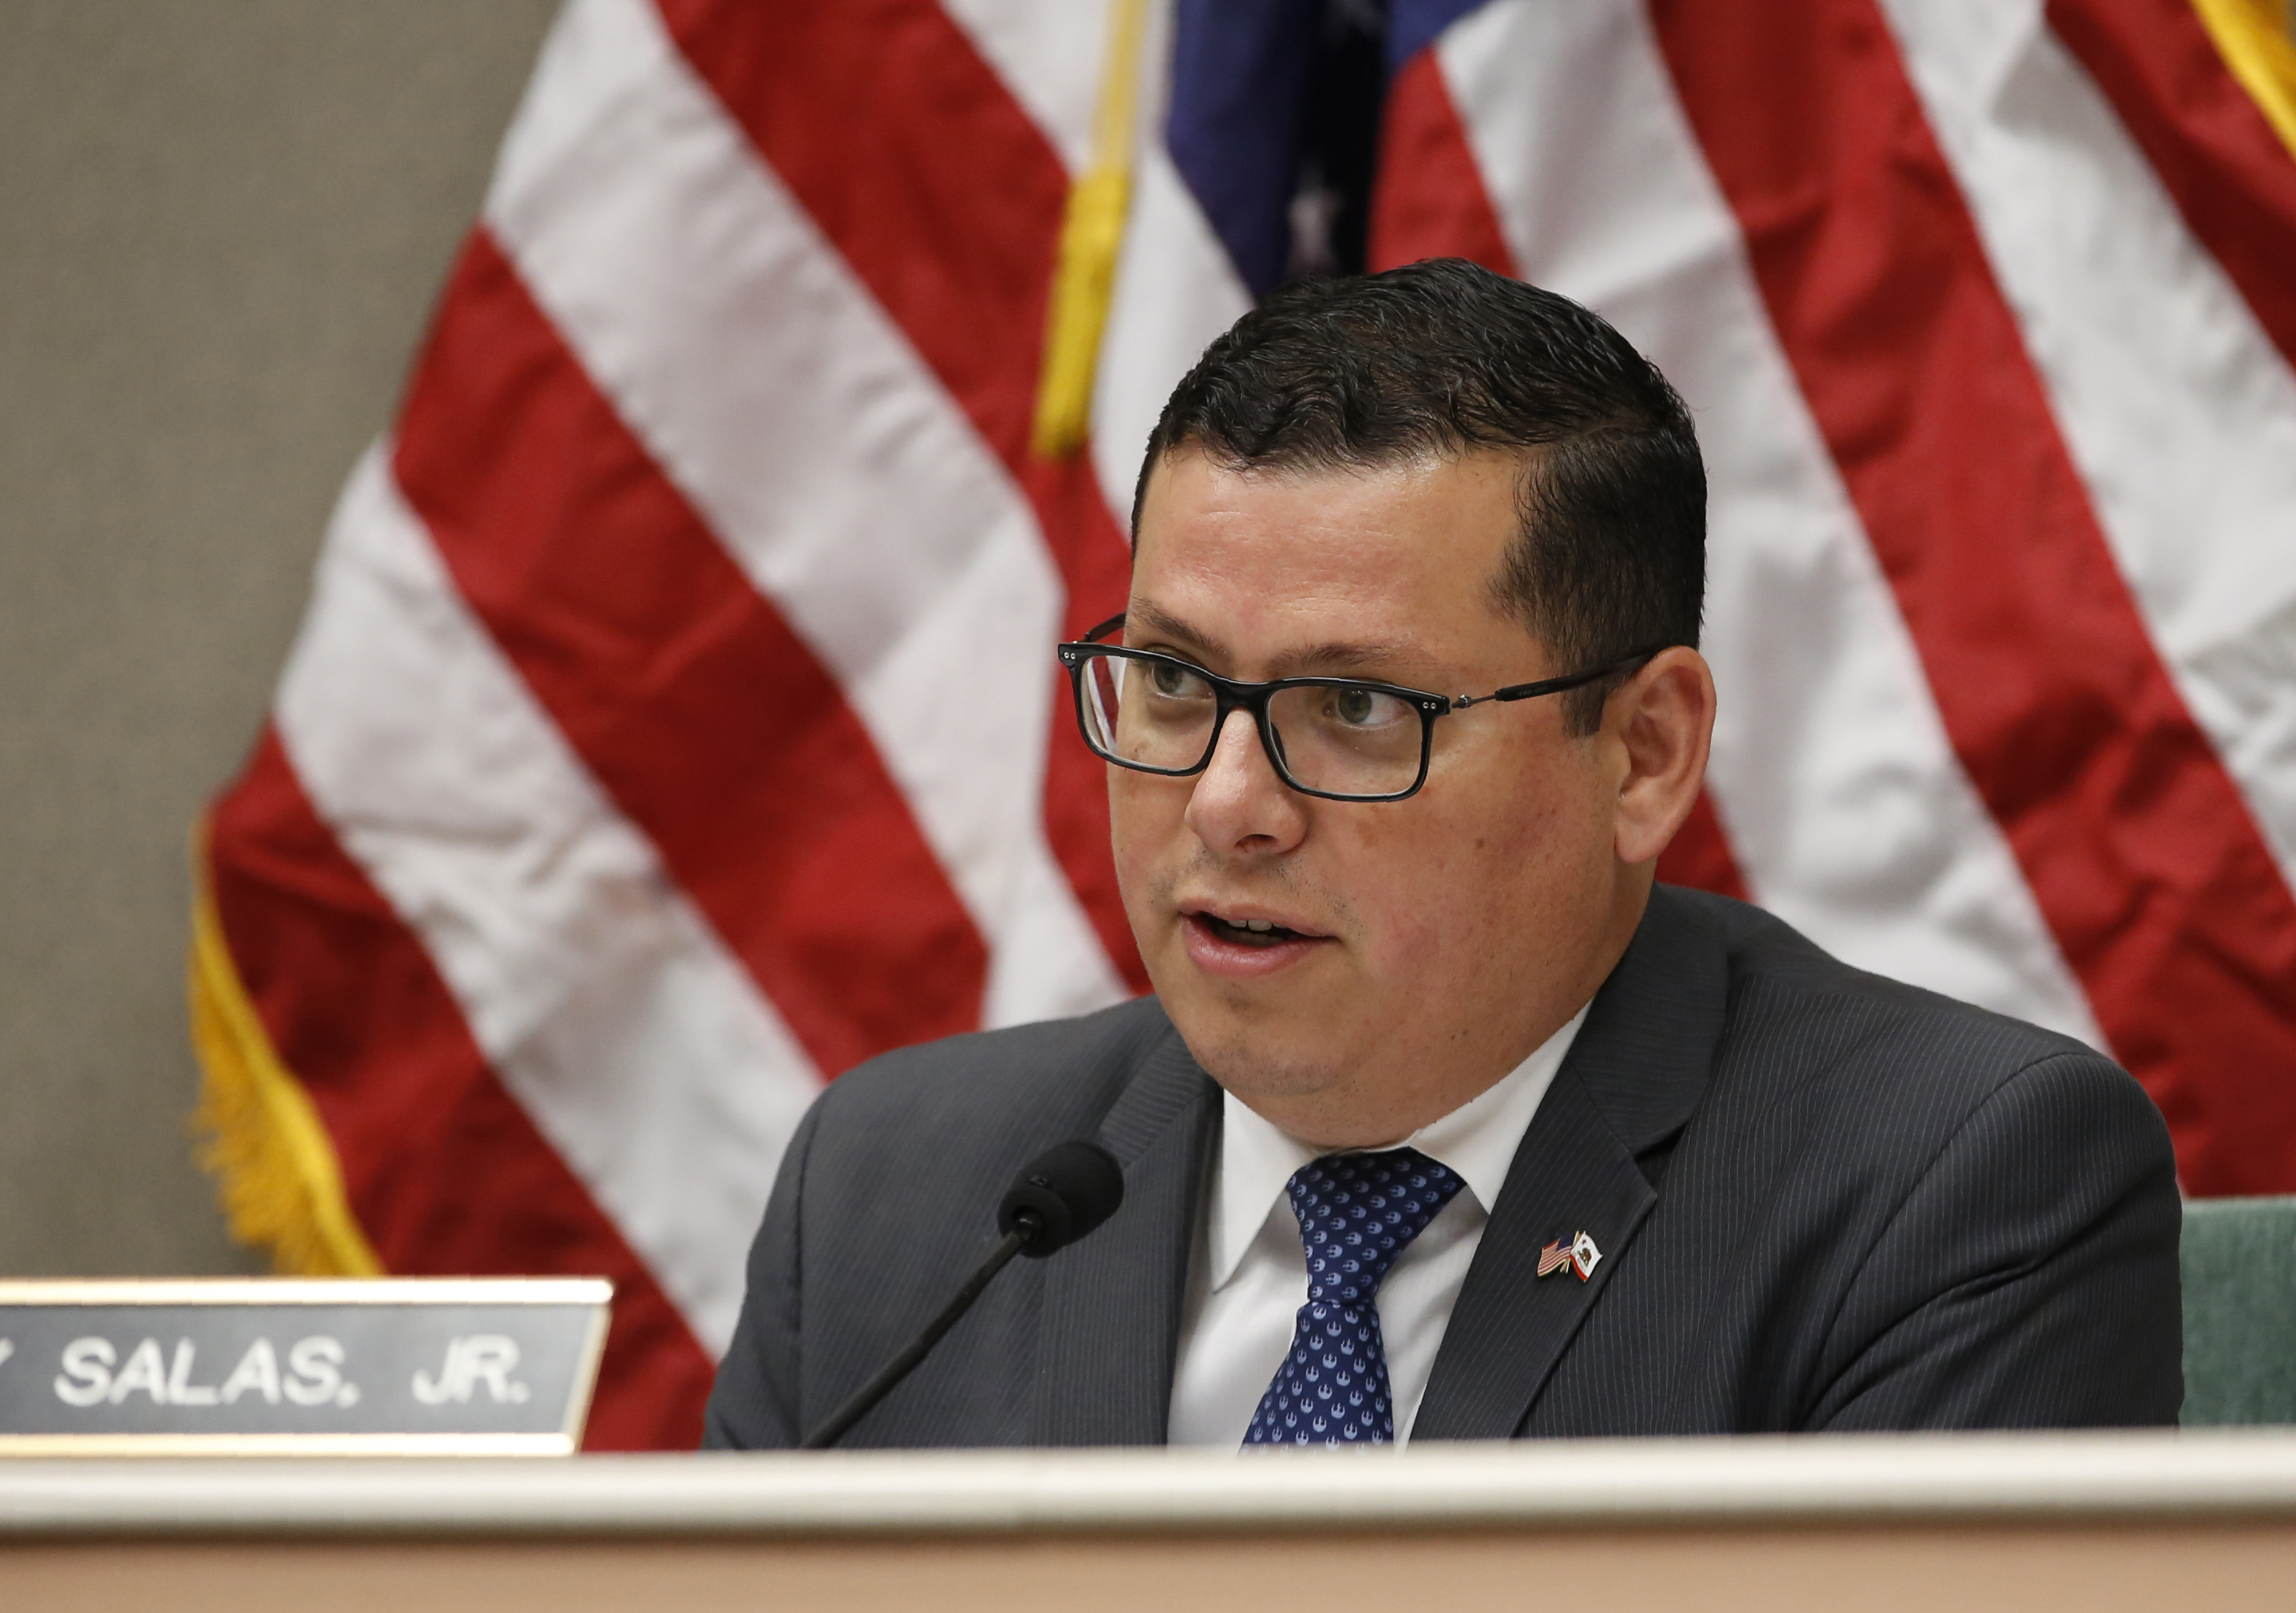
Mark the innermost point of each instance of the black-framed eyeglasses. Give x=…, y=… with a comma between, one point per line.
x=1339, y=737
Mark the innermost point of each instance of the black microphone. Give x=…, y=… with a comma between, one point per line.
x=1058, y=1195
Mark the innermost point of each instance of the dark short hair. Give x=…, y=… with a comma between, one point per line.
x=1444, y=357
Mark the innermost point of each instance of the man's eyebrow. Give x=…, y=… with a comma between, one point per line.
x=1379, y=659
x=1342, y=655
x=1146, y=615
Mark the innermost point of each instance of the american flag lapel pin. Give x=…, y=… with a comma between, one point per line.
x=1580, y=1254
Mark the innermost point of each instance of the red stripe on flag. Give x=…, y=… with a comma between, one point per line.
x=2230, y=175
x=946, y=200
x=2137, y=844
x=447, y=1175
x=1699, y=856
x=1429, y=200
x=704, y=717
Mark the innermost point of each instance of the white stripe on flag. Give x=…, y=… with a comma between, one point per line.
x=2179, y=412
x=1175, y=290
x=1049, y=56
x=1850, y=815
x=601, y=999
x=774, y=392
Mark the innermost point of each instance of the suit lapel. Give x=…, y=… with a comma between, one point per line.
x=1635, y=1074
x=1571, y=1174
x=1109, y=1329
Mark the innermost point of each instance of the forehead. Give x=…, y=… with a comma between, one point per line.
x=1400, y=553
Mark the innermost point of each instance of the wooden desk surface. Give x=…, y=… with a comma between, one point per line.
x=2147, y=1521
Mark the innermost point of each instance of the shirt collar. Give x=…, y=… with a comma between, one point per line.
x=1478, y=1140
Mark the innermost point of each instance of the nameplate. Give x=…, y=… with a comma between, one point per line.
x=390, y=1366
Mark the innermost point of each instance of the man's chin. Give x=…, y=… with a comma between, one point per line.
x=1275, y=1057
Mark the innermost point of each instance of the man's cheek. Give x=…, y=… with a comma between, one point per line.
x=1133, y=841
x=1404, y=929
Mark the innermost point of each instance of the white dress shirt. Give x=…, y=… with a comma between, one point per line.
x=1248, y=1275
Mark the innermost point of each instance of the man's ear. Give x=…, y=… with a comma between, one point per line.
x=1661, y=723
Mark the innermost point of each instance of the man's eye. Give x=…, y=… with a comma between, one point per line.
x=1172, y=680
x=1366, y=708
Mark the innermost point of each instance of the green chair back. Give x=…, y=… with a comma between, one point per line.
x=2239, y=1259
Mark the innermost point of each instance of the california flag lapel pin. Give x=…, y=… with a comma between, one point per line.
x=1580, y=1255
x=1584, y=1255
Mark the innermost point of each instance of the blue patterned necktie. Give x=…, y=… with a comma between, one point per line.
x=1357, y=1212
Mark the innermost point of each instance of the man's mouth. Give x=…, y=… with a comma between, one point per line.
x=1249, y=931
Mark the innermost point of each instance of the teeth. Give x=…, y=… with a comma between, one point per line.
x=1255, y=927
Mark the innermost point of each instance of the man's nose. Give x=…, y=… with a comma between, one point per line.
x=1239, y=804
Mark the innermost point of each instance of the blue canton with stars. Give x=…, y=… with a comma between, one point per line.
x=1357, y=1212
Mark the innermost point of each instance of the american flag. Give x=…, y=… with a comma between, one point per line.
x=675, y=722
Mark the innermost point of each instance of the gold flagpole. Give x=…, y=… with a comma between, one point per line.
x=1092, y=234
x=2253, y=36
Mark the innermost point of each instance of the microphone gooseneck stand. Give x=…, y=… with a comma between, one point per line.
x=900, y=1366
x=1058, y=1197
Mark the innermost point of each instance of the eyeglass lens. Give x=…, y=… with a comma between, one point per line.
x=1344, y=738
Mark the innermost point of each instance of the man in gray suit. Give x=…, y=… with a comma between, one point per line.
x=1445, y=1121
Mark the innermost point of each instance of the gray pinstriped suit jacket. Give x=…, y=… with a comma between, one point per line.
x=1825, y=1200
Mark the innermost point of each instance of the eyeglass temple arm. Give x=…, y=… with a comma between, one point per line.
x=1554, y=685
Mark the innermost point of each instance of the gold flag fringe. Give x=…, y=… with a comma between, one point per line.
x=2253, y=36
x=1092, y=234
x=261, y=1139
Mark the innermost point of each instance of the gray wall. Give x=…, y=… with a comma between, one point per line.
x=221, y=228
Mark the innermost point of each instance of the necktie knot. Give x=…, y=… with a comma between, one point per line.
x=1357, y=1212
